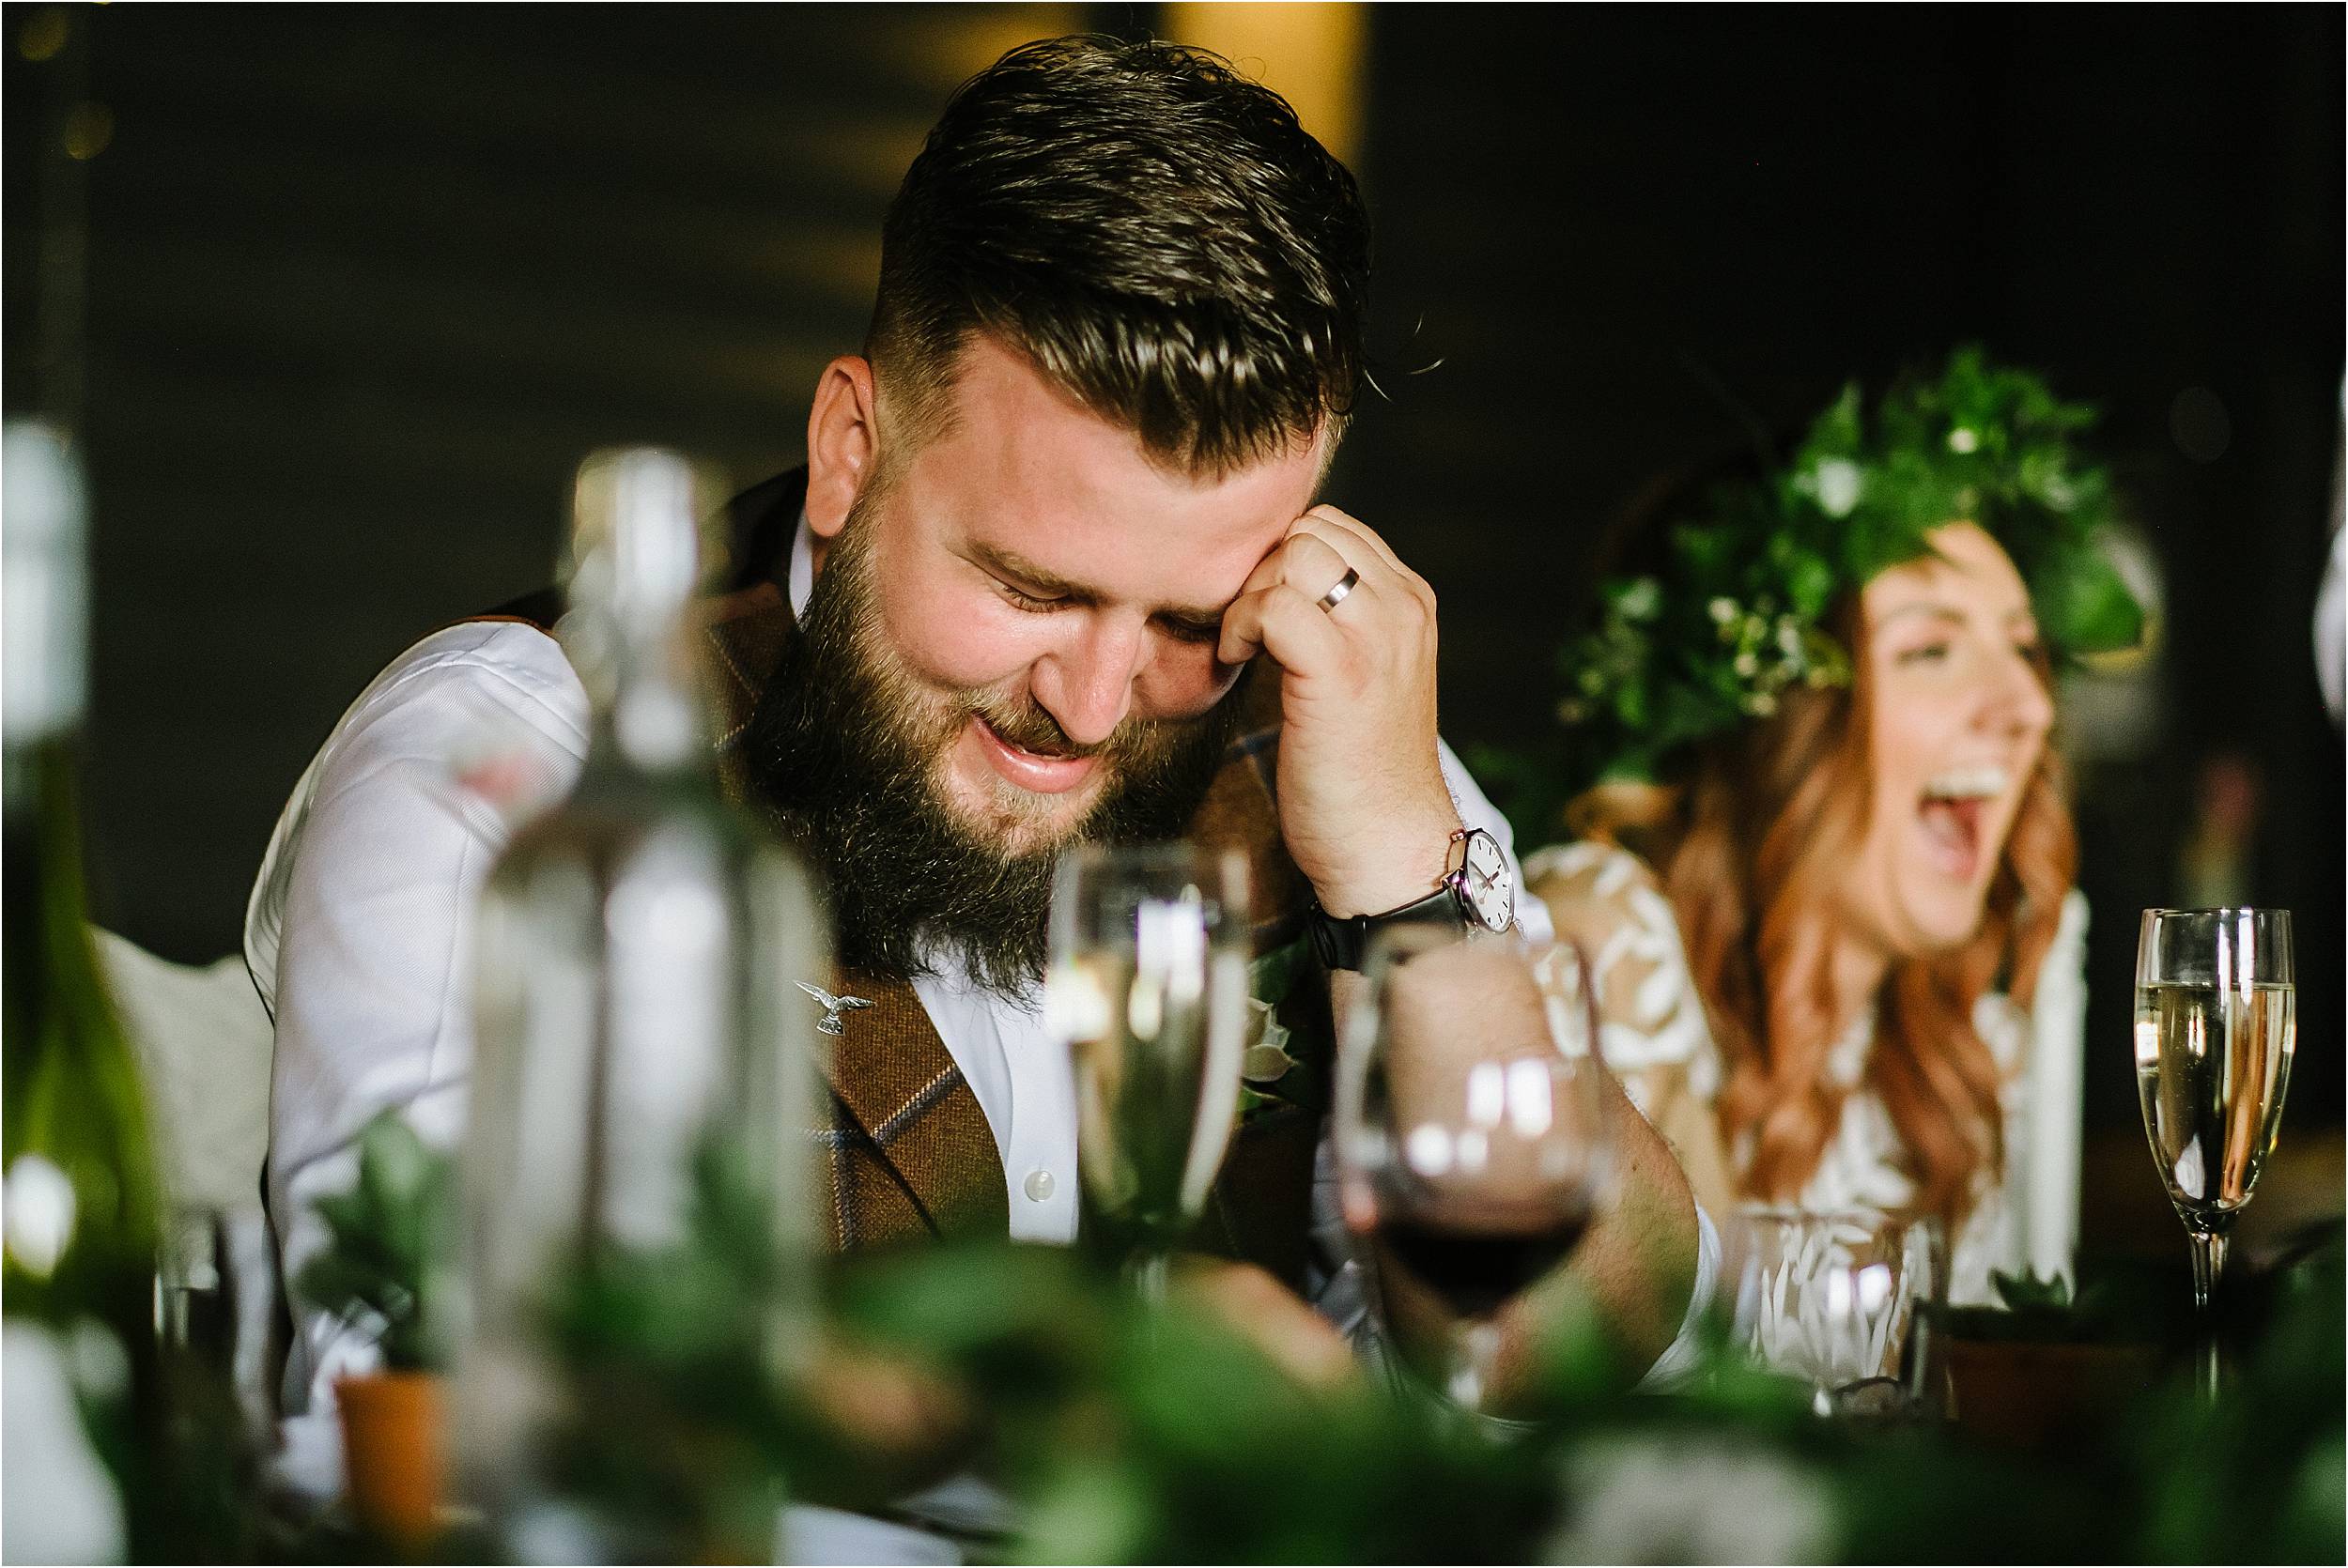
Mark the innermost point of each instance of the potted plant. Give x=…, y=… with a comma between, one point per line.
x=2045, y=1364
x=386, y=1270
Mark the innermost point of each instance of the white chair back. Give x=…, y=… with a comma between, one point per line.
x=203, y=1044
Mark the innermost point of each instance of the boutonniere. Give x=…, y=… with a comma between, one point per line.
x=1265, y=1061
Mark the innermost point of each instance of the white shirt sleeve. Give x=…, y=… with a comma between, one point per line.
x=360, y=930
x=1477, y=811
x=1680, y=1359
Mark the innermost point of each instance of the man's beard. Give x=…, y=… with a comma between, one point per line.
x=848, y=751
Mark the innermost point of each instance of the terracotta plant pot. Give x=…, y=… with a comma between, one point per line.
x=391, y=1453
x=2031, y=1394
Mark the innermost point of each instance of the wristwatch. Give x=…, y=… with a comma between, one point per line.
x=1476, y=895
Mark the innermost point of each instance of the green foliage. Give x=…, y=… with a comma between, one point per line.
x=2027, y=1292
x=2257, y=1477
x=1120, y=1433
x=1136, y=1436
x=2036, y=1311
x=1123, y=1436
x=389, y=1262
x=1529, y=786
x=2118, y=1303
x=1735, y=620
x=681, y=1424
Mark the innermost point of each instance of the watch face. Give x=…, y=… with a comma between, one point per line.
x=1485, y=883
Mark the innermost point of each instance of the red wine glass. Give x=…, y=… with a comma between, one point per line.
x=1471, y=1141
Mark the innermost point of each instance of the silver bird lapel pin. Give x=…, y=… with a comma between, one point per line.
x=833, y=1008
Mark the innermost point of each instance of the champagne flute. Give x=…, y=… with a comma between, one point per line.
x=1148, y=991
x=1472, y=1151
x=2215, y=1032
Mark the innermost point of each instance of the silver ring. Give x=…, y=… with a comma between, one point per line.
x=1344, y=584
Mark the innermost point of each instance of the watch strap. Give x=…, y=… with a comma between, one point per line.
x=1340, y=942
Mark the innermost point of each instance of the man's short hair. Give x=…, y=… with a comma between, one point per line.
x=1157, y=235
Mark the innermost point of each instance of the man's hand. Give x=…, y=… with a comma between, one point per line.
x=1364, y=808
x=1263, y=1311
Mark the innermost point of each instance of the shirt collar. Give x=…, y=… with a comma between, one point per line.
x=800, y=583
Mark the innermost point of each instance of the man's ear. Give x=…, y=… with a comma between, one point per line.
x=842, y=443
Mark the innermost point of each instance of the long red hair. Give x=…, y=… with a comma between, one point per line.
x=1749, y=849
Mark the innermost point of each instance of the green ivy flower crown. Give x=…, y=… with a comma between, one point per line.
x=1735, y=618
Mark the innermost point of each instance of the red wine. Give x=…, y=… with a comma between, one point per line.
x=1477, y=1269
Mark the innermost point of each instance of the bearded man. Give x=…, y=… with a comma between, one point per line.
x=1052, y=573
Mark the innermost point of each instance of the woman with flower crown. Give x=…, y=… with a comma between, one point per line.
x=1823, y=864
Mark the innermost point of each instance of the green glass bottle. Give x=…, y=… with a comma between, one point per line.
x=79, y=1219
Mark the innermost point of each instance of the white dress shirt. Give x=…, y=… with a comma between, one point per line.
x=359, y=937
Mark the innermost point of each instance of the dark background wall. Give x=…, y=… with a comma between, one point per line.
x=363, y=283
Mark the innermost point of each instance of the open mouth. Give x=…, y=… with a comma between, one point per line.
x=1952, y=810
x=1045, y=773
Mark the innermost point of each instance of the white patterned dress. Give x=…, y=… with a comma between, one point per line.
x=1654, y=1034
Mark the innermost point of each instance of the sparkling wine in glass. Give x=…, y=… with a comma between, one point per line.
x=1470, y=1145
x=2215, y=1033
x=1148, y=991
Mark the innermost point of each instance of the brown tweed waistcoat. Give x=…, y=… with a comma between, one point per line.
x=909, y=1151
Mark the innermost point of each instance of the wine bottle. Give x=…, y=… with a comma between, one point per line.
x=80, y=1203
x=643, y=1082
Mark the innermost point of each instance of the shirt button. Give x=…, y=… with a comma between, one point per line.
x=1039, y=1185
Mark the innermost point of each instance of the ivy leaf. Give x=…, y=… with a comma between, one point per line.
x=1809, y=583
x=2024, y=1291
x=2090, y=609
x=1638, y=599
x=1273, y=975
